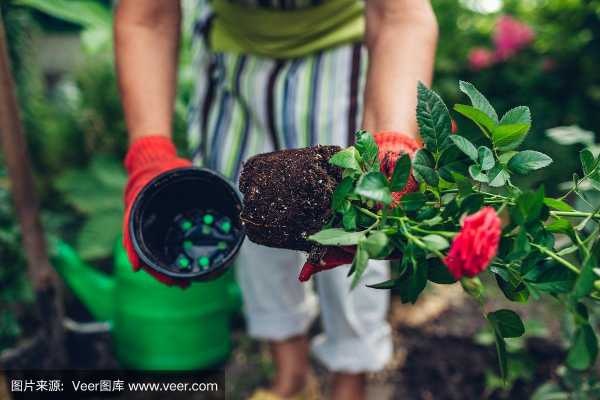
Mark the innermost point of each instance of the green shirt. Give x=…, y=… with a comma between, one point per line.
x=285, y=33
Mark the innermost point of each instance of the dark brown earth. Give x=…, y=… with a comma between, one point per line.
x=435, y=358
x=287, y=195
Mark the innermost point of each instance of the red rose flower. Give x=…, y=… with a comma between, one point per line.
x=475, y=245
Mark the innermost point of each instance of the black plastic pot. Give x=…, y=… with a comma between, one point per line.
x=168, y=214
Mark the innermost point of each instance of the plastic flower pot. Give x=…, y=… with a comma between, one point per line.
x=185, y=224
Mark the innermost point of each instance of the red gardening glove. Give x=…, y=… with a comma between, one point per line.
x=391, y=145
x=334, y=257
x=147, y=158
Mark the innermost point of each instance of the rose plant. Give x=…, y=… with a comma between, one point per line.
x=468, y=217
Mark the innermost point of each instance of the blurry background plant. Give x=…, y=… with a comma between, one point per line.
x=543, y=53
x=15, y=296
x=537, y=52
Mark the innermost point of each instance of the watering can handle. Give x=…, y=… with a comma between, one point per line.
x=93, y=287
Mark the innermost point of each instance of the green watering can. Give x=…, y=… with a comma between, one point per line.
x=155, y=327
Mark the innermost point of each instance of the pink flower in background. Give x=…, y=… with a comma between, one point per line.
x=480, y=58
x=510, y=36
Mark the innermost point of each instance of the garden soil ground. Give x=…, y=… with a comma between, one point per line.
x=435, y=355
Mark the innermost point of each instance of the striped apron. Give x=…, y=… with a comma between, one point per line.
x=245, y=104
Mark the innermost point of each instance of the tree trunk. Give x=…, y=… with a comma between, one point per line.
x=44, y=279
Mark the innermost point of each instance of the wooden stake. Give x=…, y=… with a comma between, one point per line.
x=43, y=278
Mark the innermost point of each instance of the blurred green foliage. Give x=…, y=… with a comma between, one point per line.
x=15, y=295
x=557, y=76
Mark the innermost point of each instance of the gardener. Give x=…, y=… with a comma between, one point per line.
x=270, y=75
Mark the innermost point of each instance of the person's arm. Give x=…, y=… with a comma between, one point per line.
x=401, y=38
x=146, y=49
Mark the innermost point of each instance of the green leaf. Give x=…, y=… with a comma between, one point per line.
x=401, y=174
x=423, y=168
x=433, y=119
x=529, y=205
x=375, y=244
x=478, y=100
x=557, y=204
x=98, y=234
x=84, y=13
x=504, y=158
x=527, y=161
x=374, y=186
x=517, y=115
x=510, y=136
x=465, y=146
x=389, y=284
x=471, y=203
x=337, y=237
x=349, y=219
x=550, y=391
x=486, y=158
x=585, y=282
x=412, y=284
x=483, y=121
x=570, y=135
x=507, y=322
x=435, y=242
x=464, y=185
x=522, y=247
x=501, y=353
x=359, y=265
x=476, y=174
x=553, y=279
x=584, y=349
x=366, y=146
x=520, y=293
x=342, y=190
x=587, y=160
x=412, y=201
x=497, y=176
x=438, y=273
x=347, y=159
x=559, y=225
x=105, y=178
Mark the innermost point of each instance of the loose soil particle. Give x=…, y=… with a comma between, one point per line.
x=287, y=195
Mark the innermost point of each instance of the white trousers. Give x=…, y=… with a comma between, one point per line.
x=356, y=337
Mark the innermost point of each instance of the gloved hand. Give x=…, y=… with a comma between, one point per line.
x=392, y=145
x=147, y=158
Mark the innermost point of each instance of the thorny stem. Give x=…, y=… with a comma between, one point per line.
x=579, y=182
x=502, y=207
x=368, y=212
x=575, y=214
x=418, y=241
x=556, y=257
x=441, y=233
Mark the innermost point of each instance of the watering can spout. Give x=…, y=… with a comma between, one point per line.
x=94, y=288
